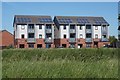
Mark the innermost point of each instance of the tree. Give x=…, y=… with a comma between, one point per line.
x=113, y=41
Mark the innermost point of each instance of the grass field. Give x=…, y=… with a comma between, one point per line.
x=60, y=63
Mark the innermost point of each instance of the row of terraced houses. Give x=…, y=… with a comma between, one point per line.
x=31, y=31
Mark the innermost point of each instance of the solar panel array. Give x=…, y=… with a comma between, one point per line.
x=23, y=20
x=100, y=21
x=45, y=20
x=82, y=21
x=65, y=20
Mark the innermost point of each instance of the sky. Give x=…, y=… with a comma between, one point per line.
x=108, y=10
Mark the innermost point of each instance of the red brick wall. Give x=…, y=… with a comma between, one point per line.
x=7, y=38
x=79, y=41
x=38, y=41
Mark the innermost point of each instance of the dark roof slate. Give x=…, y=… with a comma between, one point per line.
x=24, y=19
x=81, y=20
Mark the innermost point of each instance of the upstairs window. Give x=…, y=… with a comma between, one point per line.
x=64, y=27
x=48, y=26
x=22, y=36
x=104, y=36
x=96, y=27
x=40, y=36
x=30, y=26
x=88, y=26
x=96, y=36
x=72, y=26
x=104, y=27
x=89, y=35
x=22, y=27
x=40, y=26
x=64, y=35
x=80, y=27
x=81, y=36
x=72, y=35
x=30, y=35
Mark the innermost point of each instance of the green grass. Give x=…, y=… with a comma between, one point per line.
x=60, y=63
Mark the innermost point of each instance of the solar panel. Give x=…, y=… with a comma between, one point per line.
x=82, y=20
x=23, y=20
x=65, y=20
x=100, y=21
x=45, y=20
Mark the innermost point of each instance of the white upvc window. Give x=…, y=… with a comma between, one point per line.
x=96, y=27
x=40, y=36
x=96, y=36
x=81, y=36
x=22, y=27
x=80, y=27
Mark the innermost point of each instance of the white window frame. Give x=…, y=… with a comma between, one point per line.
x=81, y=35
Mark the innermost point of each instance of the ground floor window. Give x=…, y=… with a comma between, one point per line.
x=21, y=46
x=39, y=45
x=88, y=45
x=64, y=45
x=72, y=45
x=31, y=45
x=48, y=45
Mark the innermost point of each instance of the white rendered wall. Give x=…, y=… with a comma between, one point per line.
x=64, y=31
x=19, y=31
x=80, y=31
x=98, y=31
x=39, y=31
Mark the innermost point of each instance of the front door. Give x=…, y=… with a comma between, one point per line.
x=48, y=45
x=96, y=44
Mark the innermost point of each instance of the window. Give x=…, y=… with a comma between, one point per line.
x=96, y=27
x=39, y=45
x=22, y=36
x=104, y=27
x=31, y=45
x=64, y=27
x=72, y=26
x=72, y=45
x=40, y=26
x=48, y=26
x=21, y=46
x=48, y=45
x=49, y=36
x=81, y=36
x=30, y=35
x=88, y=35
x=40, y=36
x=72, y=35
x=88, y=26
x=104, y=36
x=96, y=35
x=30, y=26
x=80, y=27
x=64, y=35
x=88, y=45
x=22, y=27
x=64, y=45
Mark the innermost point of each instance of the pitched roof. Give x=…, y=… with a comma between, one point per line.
x=81, y=20
x=24, y=19
x=6, y=31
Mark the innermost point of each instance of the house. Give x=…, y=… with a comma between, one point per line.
x=7, y=39
x=33, y=31
x=81, y=32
